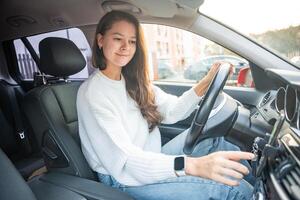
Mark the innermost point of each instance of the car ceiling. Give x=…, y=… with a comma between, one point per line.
x=24, y=18
x=30, y=17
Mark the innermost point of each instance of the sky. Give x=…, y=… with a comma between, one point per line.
x=254, y=16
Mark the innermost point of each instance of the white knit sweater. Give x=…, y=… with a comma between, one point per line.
x=114, y=135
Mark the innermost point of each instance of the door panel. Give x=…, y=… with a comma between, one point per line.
x=247, y=96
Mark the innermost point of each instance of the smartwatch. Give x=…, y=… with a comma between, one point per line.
x=179, y=166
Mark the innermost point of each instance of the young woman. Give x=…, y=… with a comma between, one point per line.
x=118, y=112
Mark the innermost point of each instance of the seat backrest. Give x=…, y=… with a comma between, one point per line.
x=10, y=96
x=51, y=109
x=17, y=140
x=8, y=141
x=12, y=185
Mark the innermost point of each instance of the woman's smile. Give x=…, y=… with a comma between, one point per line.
x=122, y=55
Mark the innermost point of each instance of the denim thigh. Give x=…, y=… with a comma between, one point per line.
x=175, y=146
x=181, y=188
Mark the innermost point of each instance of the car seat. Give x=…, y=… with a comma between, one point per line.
x=51, y=108
x=16, y=139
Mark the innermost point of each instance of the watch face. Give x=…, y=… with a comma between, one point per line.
x=179, y=163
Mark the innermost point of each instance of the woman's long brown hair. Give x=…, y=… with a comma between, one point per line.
x=136, y=72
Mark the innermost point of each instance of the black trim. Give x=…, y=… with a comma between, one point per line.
x=260, y=78
x=12, y=62
x=31, y=50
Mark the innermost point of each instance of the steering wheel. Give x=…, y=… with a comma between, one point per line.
x=206, y=105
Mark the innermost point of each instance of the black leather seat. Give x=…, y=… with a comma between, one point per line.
x=51, y=186
x=12, y=185
x=22, y=152
x=51, y=109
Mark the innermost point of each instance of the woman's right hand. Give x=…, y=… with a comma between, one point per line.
x=222, y=166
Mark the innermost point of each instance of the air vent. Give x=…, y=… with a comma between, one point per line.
x=272, y=105
x=265, y=99
x=287, y=173
x=291, y=182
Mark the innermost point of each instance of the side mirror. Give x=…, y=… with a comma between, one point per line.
x=245, y=78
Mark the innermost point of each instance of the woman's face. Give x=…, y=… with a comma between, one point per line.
x=118, y=44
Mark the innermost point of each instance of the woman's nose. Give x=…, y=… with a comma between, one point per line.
x=125, y=45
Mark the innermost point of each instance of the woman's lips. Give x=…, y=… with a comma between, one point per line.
x=123, y=55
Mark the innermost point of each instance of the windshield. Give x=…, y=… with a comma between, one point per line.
x=275, y=24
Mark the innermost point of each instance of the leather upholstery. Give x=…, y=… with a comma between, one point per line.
x=12, y=185
x=8, y=141
x=60, y=57
x=51, y=109
x=25, y=162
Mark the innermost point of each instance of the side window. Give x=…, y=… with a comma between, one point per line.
x=180, y=56
x=27, y=66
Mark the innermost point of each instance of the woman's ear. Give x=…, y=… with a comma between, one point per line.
x=100, y=40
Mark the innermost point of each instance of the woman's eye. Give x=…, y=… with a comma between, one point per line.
x=132, y=42
x=117, y=39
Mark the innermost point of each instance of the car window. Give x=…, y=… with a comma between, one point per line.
x=180, y=56
x=27, y=66
x=275, y=24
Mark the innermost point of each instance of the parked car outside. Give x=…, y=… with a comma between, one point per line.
x=199, y=69
x=165, y=70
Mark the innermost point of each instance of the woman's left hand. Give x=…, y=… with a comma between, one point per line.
x=202, y=85
x=214, y=69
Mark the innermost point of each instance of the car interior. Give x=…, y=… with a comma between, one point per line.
x=40, y=151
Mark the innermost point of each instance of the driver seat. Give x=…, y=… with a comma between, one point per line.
x=51, y=109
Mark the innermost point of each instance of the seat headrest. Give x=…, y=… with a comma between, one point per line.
x=60, y=57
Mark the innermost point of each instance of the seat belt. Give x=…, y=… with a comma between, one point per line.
x=19, y=128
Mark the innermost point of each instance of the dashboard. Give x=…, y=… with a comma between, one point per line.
x=278, y=160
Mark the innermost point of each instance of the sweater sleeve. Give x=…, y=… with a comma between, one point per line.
x=173, y=108
x=123, y=159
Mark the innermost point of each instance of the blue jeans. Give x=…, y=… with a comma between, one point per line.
x=191, y=187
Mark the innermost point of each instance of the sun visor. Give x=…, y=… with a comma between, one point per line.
x=193, y=4
x=166, y=9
